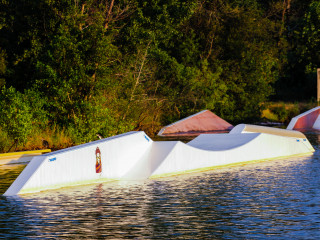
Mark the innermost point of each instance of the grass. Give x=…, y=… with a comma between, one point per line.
x=57, y=139
x=283, y=112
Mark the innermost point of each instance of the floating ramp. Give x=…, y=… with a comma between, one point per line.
x=307, y=120
x=133, y=156
x=202, y=122
x=20, y=157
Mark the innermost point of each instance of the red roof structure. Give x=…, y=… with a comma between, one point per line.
x=202, y=122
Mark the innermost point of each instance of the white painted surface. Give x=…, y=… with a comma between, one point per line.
x=219, y=142
x=292, y=123
x=185, y=157
x=134, y=156
x=316, y=124
x=248, y=128
x=77, y=164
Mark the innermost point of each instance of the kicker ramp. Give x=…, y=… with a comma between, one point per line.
x=78, y=165
x=307, y=120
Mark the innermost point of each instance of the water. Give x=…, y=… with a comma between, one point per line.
x=277, y=199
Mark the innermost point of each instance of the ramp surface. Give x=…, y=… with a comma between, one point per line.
x=134, y=156
x=307, y=120
x=202, y=122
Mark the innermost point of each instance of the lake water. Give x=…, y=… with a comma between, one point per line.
x=277, y=199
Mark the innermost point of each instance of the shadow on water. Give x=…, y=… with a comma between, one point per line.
x=8, y=173
x=273, y=199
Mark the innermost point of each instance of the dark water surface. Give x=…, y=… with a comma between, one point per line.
x=277, y=199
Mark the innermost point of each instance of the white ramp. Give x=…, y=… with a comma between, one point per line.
x=212, y=150
x=80, y=164
x=146, y=166
x=134, y=155
x=316, y=124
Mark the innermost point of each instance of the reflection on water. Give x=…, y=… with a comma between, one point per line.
x=8, y=173
x=274, y=199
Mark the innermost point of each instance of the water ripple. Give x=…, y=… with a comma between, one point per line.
x=274, y=199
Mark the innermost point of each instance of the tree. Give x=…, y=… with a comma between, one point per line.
x=2, y=68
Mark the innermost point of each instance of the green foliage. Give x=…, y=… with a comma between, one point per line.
x=114, y=66
x=280, y=111
x=16, y=115
x=20, y=115
x=2, y=68
x=311, y=37
x=97, y=118
x=4, y=144
x=238, y=42
x=284, y=112
x=298, y=80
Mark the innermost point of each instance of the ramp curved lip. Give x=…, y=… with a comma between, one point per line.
x=222, y=142
x=249, y=128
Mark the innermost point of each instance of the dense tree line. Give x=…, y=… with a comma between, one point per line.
x=111, y=66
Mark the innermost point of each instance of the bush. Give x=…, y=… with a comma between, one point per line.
x=280, y=111
x=3, y=141
x=88, y=118
x=15, y=115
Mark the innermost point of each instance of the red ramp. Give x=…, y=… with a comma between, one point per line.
x=307, y=120
x=202, y=122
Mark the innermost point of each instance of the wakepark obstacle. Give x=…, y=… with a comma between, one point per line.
x=134, y=156
x=20, y=157
x=201, y=122
x=306, y=121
